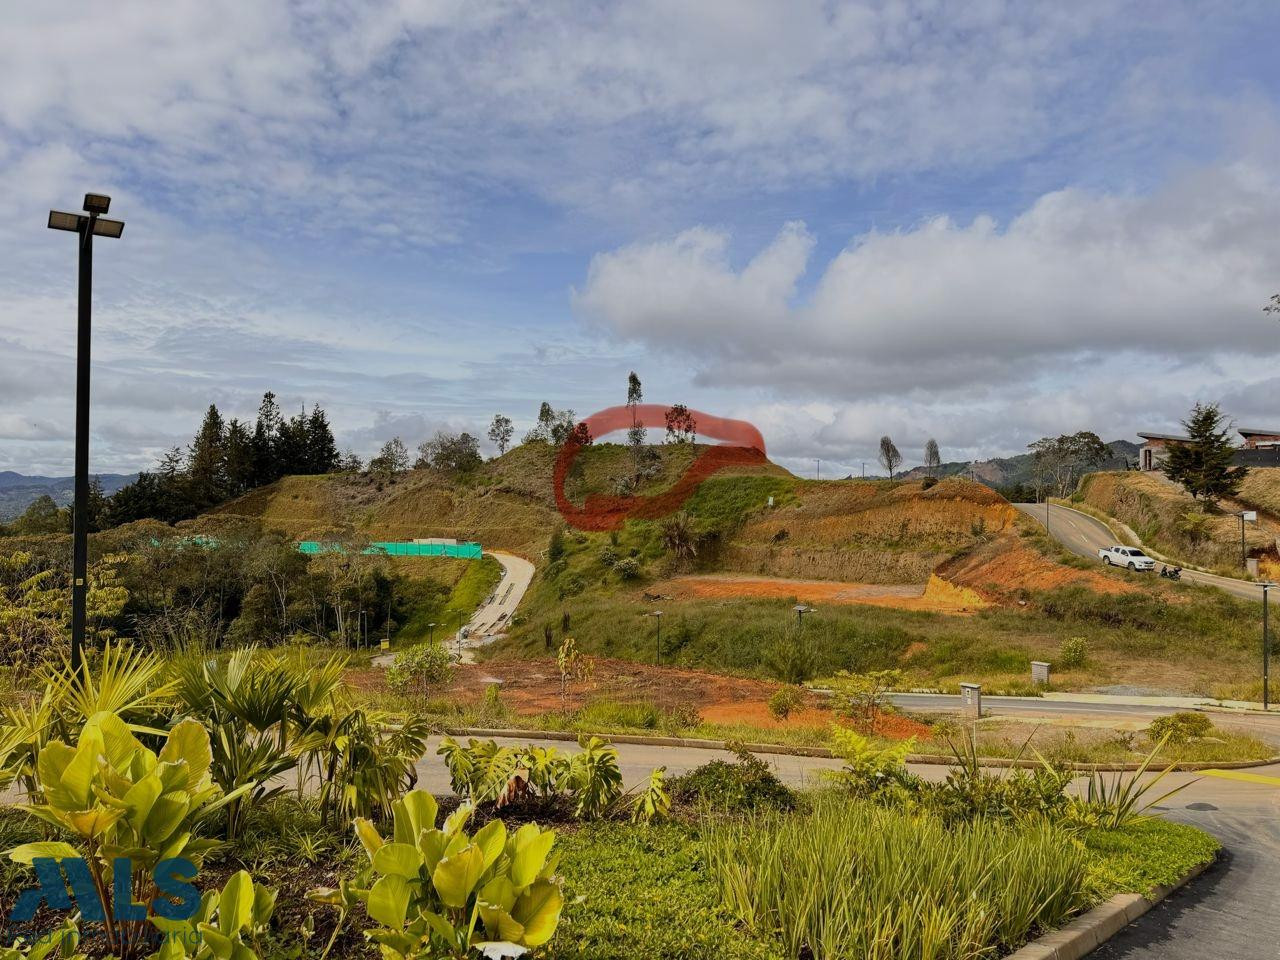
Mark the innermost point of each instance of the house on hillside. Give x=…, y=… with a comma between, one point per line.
x=1155, y=446
x=1260, y=448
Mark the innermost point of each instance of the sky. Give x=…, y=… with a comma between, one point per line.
x=983, y=222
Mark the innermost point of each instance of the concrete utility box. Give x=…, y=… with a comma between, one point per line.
x=1251, y=565
x=1040, y=673
x=971, y=699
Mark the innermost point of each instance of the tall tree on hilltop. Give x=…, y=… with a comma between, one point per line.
x=240, y=465
x=206, y=462
x=500, y=432
x=1058, y=462
x=266, y=434
x=681, y=425
x=322, y=451
x=932, y=457
x=1203, y=463
x=890, y=458
x=635, y=394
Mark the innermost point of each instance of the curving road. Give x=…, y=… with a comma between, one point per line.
x=1084, y=536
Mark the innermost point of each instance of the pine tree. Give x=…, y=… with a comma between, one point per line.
x=239, y=462
x=1203, y=463
x=322, y=451
x=206, y=461
x=266, y=434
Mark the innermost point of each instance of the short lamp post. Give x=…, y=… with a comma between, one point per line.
x=86, y=226
x=1252, y=517
x=657, y=648
x=801, y=610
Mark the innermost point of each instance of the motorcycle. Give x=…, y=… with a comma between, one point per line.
x=1171, y=573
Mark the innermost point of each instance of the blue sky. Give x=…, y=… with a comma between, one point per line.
x=981, y=222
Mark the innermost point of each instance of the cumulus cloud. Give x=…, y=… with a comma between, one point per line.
x=1178, y=273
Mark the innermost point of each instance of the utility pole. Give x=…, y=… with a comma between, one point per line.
x=819, y=473
x=86, y=226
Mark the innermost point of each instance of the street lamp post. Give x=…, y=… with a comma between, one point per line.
x=1252, y=516
x=1266, y=648
x=431, y=633
x=801, y=610
x=657, y=649
x=86, y=225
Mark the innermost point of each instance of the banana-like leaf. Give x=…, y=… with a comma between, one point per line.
x=389, y=901
x=455, y=877
x=537, y=910
x=54, y=849
x=401, y=859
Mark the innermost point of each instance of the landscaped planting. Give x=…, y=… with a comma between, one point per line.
x=854, y=880
x=296, y=806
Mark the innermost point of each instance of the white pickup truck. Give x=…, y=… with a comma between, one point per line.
x=1131, y=557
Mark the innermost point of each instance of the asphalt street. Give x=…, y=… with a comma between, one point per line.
x=1085, y=536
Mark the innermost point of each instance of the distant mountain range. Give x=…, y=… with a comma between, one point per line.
x=18, y=491
x=1015, y=471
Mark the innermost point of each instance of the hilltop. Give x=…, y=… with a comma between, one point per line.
x=1006, y=473
x=18, y=491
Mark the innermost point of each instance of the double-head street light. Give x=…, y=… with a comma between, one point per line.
x=86, y=225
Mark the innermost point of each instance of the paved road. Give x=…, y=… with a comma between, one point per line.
x=1085, y=536
x=492, y=617
x=1231, y=913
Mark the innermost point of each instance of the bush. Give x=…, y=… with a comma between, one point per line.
x=885, y=884
x=1180, y=728
x=785, y=700
x=627, y=568
x=738, y=787
x=928, y=483
x=1073, y=653
x=420, y=668
x=608, y=556
x=604, y=714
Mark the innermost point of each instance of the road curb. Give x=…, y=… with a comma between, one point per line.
x=825, y=753
x=1090, y=930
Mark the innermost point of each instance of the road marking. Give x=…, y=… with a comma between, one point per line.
x=1241, y=775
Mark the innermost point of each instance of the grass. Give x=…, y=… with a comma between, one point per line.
x=646, y=892
x=1177, y=639
x=447, y=608
x=1145, y=855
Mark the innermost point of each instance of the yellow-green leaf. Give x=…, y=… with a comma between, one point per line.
x=531, y=849
x=456, y=876
x=538, y=911
x=491, y=839
x=389, y=901
x=402, y=859
x=235, y=906
x=50, y=848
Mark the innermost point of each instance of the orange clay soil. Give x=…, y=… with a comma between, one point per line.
x=937, y=595
x=997, y=569
x=531, y=687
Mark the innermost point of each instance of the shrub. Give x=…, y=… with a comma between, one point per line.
x=437, y=892
x=785, y=700
x=420, y=668
x=928, y=483
x=866, y=882
x=608, y=556
x=602, y=714
x=111, y=794
x=1179, y=728
x=869, y=769
x=860, y=697
x=628, y=568
x=744, y=786
x=1073, y=653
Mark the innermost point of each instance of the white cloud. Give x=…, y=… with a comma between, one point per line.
x=1179, y=273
